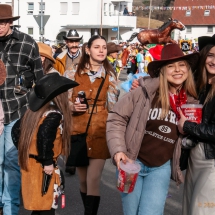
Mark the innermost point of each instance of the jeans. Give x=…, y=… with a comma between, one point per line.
x=10, y=178
x=149, y=195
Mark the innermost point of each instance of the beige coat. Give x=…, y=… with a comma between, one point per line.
x=127, y=121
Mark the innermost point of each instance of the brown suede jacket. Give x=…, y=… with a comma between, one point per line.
x=127, y=121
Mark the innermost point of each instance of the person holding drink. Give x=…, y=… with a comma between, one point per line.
x=199, y=188
x=93, y=73
x=142, y=127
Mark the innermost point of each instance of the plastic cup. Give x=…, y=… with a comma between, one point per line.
x=127, y=176
x=193, y=112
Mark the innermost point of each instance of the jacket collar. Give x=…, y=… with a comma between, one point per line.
x=15, y=33
x=62, y=54
x=150, y=84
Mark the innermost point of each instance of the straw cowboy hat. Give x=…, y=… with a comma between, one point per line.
x=156, y=51
x=171, y=52
x=45, y=51
x=72, y=35
x=47, y=88
x=6, y=12
x=112, y=47
x=3, y=73
x=206, y=40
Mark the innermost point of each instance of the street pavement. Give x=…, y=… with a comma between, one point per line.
x=110, y=196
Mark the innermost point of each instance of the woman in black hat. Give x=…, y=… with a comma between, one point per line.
x=41, y=136
x=199, y=188
x=142, y=126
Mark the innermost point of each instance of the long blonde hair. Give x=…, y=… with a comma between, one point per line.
x=30, y=122
x=163, y=95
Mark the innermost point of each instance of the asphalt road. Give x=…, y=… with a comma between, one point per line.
x=110, y=198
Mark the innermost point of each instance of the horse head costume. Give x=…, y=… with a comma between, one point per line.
x=160, y=35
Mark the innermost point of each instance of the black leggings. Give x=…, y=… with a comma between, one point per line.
x=49, y=212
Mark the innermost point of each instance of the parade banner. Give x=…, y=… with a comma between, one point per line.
x=205, y=7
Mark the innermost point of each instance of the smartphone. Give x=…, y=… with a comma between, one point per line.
x=82, y=98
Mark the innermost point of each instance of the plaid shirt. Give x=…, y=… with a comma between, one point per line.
x=22, y=51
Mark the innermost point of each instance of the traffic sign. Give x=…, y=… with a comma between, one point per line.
x=38, y=19
x=114, y=29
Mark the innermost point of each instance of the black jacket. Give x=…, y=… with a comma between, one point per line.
x=205, y=131
x=45, y=137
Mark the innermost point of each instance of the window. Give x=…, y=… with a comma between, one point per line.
x=210, y=29
x=207, y=13
x=188, y=12
x=30, y=6
x=75, y=8
x=105, y=9
x=30, y=31
x=42, y=7
x=188, y=29
x=63, y=8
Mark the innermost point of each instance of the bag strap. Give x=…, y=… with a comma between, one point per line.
x=97, y=95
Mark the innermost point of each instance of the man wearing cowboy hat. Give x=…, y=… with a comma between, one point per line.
x=68, y=59
x=19, y=53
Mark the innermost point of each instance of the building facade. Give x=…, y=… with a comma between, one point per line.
x=198, y=16
x=89, y=17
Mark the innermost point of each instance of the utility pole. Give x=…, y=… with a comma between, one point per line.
x=12, y=4
x=150, y=10
x=18, y=12
x=101, y=17
x=41, y=13
x=118, y=25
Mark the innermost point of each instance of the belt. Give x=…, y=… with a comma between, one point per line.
x=36, y=158
x=33, y=156
x=96, y=109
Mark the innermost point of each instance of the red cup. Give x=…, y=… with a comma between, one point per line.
x=193, y=112
x=127, y=177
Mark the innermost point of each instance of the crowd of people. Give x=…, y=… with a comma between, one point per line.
x=63, y=101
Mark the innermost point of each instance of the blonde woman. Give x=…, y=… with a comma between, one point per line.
x=143, y=126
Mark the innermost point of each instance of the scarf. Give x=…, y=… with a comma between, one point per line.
x=176, y=101
x=73, y=56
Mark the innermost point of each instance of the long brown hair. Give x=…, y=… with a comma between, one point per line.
x=202, y=73
x=85, y=59
x=163, y=98
x=47, y=65
x=30, y=122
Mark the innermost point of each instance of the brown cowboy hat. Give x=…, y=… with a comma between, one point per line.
x=3, y=73
x=206, y=40
x=171, y=52
x=6, y=12
x=72, y=35
x=112, y=47
x=45, y=51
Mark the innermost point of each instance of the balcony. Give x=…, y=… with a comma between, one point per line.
x=124, y=21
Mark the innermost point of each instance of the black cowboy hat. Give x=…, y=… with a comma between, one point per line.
x=72, y=35
x=171, y=52
x=205, y=40
x=48, y=87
